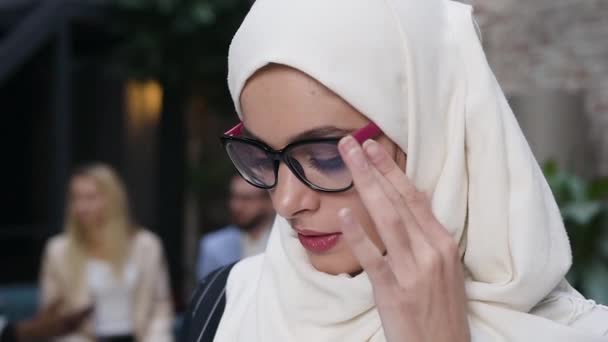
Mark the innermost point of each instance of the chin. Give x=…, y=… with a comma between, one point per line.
x=335, y=263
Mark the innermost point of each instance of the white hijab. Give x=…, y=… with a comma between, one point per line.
x=417, y=69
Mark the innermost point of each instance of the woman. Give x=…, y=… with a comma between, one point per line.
x=468, y=246
x=105, y=262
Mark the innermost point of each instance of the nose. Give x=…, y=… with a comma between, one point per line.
x=290, y=196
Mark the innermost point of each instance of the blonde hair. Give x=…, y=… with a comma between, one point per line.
x=118, y=228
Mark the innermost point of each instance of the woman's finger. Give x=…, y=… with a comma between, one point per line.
x=440, y=243
x=409, y=225
x=379, y=206
x=416, y=201
x=370, y=258
x=392, y=177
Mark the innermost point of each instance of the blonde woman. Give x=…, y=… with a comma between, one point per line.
x=104, y=262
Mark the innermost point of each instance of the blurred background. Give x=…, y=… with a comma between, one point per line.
x=141, y=85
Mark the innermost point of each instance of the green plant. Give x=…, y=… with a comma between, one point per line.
x=182, y=43
x=584, y=208
x=175, y=39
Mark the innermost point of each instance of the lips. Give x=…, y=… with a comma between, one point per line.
x=316, y=242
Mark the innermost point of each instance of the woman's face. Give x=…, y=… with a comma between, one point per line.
x=87, y=203
x=280, y=104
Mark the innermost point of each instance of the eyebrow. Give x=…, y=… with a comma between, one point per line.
x=314, y=133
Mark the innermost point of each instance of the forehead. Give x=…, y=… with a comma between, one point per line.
x=280, y=102
x=82, y=182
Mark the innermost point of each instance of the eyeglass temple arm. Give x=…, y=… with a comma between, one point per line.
x=370, y=131
x=235, y=131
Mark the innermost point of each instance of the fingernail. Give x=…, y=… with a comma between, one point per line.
x=372, y=149
x=346, y=216
x=347, y=143
x=349, y=146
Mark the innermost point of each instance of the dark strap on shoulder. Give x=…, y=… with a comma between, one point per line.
x=206, y=307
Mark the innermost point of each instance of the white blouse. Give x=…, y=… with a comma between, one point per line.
x=112, y=297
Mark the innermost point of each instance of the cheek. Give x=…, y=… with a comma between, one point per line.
x=82, y=205
x=256, y=208
x=233, y=205
x=98, y=206
x=76, y=207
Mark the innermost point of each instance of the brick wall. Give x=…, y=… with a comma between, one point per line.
x=552, y=44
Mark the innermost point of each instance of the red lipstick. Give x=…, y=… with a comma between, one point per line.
x=316, y=242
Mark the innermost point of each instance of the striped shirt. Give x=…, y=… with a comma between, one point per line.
x=206, y=307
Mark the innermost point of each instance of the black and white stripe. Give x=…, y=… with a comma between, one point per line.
x=206, y=307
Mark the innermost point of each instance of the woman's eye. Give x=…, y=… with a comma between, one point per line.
x=327, y=164
x=260, y=163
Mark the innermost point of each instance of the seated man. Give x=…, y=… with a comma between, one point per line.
x=251, y=215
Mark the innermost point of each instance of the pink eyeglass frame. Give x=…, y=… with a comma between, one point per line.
x=369, y=131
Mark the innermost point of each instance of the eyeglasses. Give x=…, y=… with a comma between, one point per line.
x=316, y=162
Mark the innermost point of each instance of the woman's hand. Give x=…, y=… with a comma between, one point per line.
x=50, y=323
x=419, y=283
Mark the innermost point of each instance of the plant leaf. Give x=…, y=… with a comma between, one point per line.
x=595, y=283
x=598, y=189
x=582, y=213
